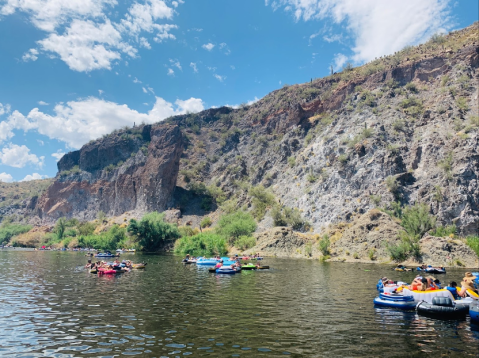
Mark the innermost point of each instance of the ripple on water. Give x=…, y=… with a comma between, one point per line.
x=172, y=310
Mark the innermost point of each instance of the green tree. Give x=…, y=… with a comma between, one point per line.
x=152, y=231
x=232, y=226
x=60, y=228
x=262, y=199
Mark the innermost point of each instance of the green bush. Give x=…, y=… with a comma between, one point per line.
x=234, y=225
x=416, y=220
x=110, y=240
x=324, y=245
x=398, y=252
x=60, y=228
x=392, y=185
x=372, y=254
x=204, y=244
x=443, y=231
x=473, y=243
x=206, y=222
x=9, y=230
x=262, y=199
x=245, y=242
x=285, y=216
x=308, y=249
x=291, y=162
x=152, y=231
x=70, y=233
x=343, y=159
x=85, y=228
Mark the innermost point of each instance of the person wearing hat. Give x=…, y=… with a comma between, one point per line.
x=467, y=284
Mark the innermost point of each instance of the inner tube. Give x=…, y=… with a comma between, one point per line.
x=107, y=272
x=248, y=267
x=435, y=270
x=442, y=307
x=395, y=301
x=474, y=312
x=263, y=267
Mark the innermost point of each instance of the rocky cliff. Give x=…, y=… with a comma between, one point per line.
x=401, y=128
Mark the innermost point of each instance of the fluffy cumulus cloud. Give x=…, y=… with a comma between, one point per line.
x=339, y=61
x=6, y=178
x=80, y=33
x=34, y=176
x=58, y=154
x=209, y=46
x=78, y=122
x=18, y=156
x=378, y=27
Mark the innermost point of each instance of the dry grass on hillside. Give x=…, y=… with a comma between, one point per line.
x=15, y=193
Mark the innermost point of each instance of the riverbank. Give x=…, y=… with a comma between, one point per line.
x=365, y=240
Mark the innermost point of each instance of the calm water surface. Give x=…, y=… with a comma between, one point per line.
x=51, y=307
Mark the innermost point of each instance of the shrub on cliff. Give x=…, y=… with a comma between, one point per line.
x=9, y=230
x=262, y=199
x=151, y=232
x=285, y=216
x=232, y=226
x=203, y=244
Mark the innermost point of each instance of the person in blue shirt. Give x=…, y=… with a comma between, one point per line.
x=453, y=289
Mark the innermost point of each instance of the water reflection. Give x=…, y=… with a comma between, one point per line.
x=49, y=306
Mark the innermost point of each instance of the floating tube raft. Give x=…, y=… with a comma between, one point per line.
x=434, y=270
x=474, y=312
x=395, y=301
x=428, y=296
x=227, y=270
x=248, y=267
x=108, y=272
x=442, y=307
x=206, y=262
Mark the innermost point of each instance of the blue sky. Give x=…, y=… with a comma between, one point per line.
x=73, y=70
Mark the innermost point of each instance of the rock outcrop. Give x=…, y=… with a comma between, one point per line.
x=116, y=175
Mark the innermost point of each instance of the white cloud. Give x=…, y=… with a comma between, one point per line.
x=144, y=43
x=233, y=67
x=58, y=155
x=144, y=90
x=4, y=109
x=30, y=55
x=256, y=99
x=18, y=156
x=339, y=61
x=100, y=92
x=218, y=77
x=193, y=66
x=40, y=142
x=47, y=15
x=176, y=64
x=6, y=178
x=224, y=47
x=88, y=40
x=78, y=122
x=378, y=27
x=170, y=72
x=209, y=46
x=34, y=176
x=42, y=103
x=86, y=46
x=136, y=80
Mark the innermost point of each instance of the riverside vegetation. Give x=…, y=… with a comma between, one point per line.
x=364, y=164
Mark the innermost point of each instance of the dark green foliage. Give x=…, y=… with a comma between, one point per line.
x=70, y=232
x=443, y=231
x=203, y=244
x=473, y=243
x=9, y=230
x=245, y=242
x=206, y=222
x=324, y=245
x=232, y=226
x=416, y=220
x=60, y=228
x=108, y=241
x=85, y=228
x=262, y=199
x=152, y=231
x=285, y=216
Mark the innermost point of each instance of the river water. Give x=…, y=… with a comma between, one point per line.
x=51, y=307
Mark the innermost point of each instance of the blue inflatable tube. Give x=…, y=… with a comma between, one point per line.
x=395, y=301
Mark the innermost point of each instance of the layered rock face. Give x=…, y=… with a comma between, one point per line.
x=403, y=128
x=133, y=172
